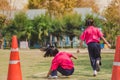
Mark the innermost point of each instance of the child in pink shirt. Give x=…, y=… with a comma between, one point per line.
x=61, y=62
x=91, y=36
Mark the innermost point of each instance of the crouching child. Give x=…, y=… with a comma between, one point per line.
x=61, y=62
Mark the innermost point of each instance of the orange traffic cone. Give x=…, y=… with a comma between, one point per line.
x=116, y=63
x=14, y=70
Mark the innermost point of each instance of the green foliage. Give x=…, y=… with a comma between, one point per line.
x=2, y=20
x=23, y=25
x=112, y=14
x=57, y=27
x=72, y=25
x=20, y=26
x=42, y=25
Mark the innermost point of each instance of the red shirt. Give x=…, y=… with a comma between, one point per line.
x=91, y=34
x=62, y=59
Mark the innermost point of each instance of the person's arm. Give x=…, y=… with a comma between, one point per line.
x=105, y=41
x=49, y=72
x=74, y=57
x=81, y=43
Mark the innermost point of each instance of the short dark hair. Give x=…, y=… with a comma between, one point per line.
x=89, y=22
x=51, y=51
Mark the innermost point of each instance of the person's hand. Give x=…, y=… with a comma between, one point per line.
x=74, y=57
x=48, y=73
x=78, y=51
x=109, y=45
x=47, y=76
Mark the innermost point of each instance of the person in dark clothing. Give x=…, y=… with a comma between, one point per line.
x=92, y=35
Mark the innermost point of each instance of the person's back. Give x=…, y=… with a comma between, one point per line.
x=64, y=60
x=91, y=34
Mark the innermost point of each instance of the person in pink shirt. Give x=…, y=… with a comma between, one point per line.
x=61, y=62
x=92, y=36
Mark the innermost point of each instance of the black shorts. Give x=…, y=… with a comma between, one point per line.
x=94, y=49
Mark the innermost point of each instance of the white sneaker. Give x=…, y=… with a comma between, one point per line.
x=52, y=77
x=95, y=73
x=97, y=65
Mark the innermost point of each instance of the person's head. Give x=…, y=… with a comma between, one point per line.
x=51, y=51
x=89, y=22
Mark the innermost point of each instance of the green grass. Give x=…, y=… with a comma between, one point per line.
x=35, y=67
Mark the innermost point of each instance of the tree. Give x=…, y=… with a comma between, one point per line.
x=21, y=22
x=5, y=8
x=87, y=3
x=112, y=14
x=4, y=5
x=55, y=7
x=42, y=25
x=20, y=26
x=2, y=20
x=58, y=28
x=72, y=26
x=36, y=4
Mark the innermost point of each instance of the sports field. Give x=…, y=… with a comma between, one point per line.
x=35, y=67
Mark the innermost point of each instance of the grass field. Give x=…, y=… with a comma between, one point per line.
x=35, y=67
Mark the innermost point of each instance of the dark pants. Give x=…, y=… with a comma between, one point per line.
x=65, y=72
x=94, y=53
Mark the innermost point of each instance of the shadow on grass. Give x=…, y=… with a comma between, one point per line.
x=37, y=77
x=80, y=76
x=45, y=78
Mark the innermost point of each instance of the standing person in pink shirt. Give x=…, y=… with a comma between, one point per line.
x=61, y=62
x=92, y=36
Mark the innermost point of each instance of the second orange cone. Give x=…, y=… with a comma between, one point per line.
x=14, y=70
x=116, y=63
